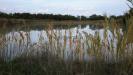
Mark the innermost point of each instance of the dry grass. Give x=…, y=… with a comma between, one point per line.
x=50, y=58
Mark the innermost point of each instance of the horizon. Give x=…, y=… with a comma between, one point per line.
x=66, y=7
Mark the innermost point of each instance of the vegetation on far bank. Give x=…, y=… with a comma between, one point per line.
x=60, y=17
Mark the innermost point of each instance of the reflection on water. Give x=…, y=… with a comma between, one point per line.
x=62, y=42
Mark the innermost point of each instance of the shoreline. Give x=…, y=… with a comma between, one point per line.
x=19, y=22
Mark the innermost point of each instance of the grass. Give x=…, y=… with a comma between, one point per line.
x=130, y=35
x=50, y=58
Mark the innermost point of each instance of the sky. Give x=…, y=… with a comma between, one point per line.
x=71, y=7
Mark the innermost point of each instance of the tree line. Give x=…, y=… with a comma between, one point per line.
x=49, y=16
x=59, y=16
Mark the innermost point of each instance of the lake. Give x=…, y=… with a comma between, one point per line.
x=73, y=42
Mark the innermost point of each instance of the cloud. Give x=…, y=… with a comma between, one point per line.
x=73, y=7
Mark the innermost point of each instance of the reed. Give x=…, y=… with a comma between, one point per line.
x=64, y=54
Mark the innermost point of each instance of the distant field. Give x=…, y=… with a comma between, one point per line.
x=45, y=22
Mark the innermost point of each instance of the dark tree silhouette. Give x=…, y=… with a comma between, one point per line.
x=49, y=16
x=96, y=17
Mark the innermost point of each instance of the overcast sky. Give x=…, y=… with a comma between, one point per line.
x=72, y=7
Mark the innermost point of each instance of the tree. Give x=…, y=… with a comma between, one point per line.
x=131, y=2
x=96, y=17
x=130, y=6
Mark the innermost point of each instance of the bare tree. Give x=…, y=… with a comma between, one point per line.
x=131, y=3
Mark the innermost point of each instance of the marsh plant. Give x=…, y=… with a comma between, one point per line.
x=65, y=52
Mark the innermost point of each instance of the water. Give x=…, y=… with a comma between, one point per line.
x=59, y=41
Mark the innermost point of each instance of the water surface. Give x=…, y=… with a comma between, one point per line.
x=62, y=41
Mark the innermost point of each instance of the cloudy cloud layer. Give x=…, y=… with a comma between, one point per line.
x=73, y=7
